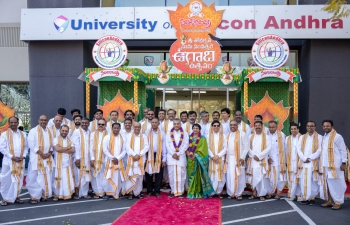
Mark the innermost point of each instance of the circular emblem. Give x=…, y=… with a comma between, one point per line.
x=196, y=7
x=109, y=52
x=270, y=52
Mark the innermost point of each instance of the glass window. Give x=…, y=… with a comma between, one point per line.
x=258, y=2
x=139, y=3
x=208, y=2
x=18, y=97
x=145, y=59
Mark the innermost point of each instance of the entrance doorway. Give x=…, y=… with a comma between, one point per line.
x=196, y=99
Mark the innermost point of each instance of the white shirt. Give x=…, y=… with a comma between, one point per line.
x=155, y=143
x=65, y=121
x=90, y=125
x=119, y=147
x=170, y=126
x=184, y=125
x=100, y=140
x=161, y=125
x=17, y=145
x=308, y=149
x=226, y=126
x=109, y=126
x=339, y=149
x=274, y=153
x=215, y=151
x=149, y=126
x=182, y=149
x=65, y=156
x=137, y=145
x=230, y=145
x=205, y=128
x=294, y=152
x=256, y=149
x=54, y=131
x=248, y=130
x=76, y=139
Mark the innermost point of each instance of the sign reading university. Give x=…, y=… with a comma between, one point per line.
x=238, y=22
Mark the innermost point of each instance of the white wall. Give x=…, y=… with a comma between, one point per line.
x=15, y=64
x=11, y=10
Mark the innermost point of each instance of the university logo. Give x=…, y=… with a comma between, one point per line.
x=61, y=23
x=270, y=52
x=148, y=60
x=109, y=52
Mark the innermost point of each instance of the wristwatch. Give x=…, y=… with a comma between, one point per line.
x=344, y=163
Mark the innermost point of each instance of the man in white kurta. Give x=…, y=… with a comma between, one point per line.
x=147, y=124
x=277, y=174
x=55, y=128
x=166, y=126
x=177, y=144
x=332, y=166
x=205, y=125
x=292, y=163
x=237, y=147
x=225, y=122
x=309, y=148
x=113, y=119
x=97, y=157
x=217, y=152
x=136, y=148
x=156, y=158
x=41, y=164
x=259, y=118
x=257, y=168
x=242, y=126
x=82, y=169
x=13, y=145
x=98, y=114
x=63, y=180
x=61, y=112
x=114, y=151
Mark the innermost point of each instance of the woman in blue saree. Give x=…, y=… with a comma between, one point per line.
x=199, y=184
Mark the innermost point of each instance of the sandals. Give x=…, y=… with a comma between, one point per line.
x=326, y=204
x=76, y=197
x=269, y=196
x=239, y=198
x=87, y=196
x=336, y=206
x=277, y=197
x=19, y=201
x=262, y=198
x=31, y=201
x=96, y=197
x=55, y=199
x=3, y=203
x=252, y=197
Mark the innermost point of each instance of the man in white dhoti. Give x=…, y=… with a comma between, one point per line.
x=114, y=151
x=332, y=166
x=217, y=151
x=96, y=157
x=242, y=126
x=309, y=148
x=82, y=169
x=61, y=112
x=156, y=158
x=147, y=124
x=161, y=117
x=237, y=147
x=98, y=114
x=225, y=122
x=177, y=144
x=64, y=182
x=257, y=168
x=113, y=119
x=55, y=128
x=205, y=123
x=75, y=124
x=136, y=148
x=13, y=145
x=41, y=164
x=277, y=174
x=294, y=190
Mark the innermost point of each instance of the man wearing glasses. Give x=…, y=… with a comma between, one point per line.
x=147, y=125
x=309, y=149
x=96, y=155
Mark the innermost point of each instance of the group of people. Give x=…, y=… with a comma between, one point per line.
x=196, y=158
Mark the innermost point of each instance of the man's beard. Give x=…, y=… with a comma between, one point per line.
x=77, y=124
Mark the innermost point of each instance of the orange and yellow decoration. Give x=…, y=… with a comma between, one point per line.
x=269, y=110
x=5, y=113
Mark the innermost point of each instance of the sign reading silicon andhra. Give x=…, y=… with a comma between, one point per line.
x=238, y=22
x=270, y=52
x=109, y=53
x=195, y=51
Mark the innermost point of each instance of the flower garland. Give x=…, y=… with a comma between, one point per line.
x=173, y=138
x=192, y=148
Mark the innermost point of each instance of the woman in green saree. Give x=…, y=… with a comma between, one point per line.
x=199, y=184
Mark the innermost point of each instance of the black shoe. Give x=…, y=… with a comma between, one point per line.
x=105, y=198
x=312, y=202
x=171, y=195
x=304, y=202
x=181, y=196
x=139, y=197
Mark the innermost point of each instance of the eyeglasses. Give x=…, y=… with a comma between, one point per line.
x=216, y=125
x=101, y=124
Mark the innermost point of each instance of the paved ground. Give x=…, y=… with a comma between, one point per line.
x=94, y=212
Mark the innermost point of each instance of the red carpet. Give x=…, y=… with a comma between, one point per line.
x=173, y=211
